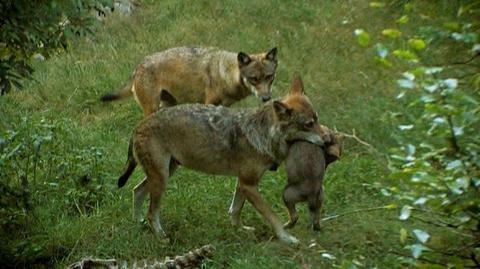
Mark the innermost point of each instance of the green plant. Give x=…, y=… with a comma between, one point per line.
x=437, y=164
x=32, y=173
x=40, y=27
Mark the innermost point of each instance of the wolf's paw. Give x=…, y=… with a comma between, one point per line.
x=159, y=233
x=157, y=230
x=248, y=228
x=290, y=224
x=289, y=239
x=239, y=225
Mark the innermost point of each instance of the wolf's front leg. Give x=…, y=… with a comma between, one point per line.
x=236, y=209
x=251, y=193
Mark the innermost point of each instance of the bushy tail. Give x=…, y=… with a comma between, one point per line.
x=130, y=166
x=126, y=91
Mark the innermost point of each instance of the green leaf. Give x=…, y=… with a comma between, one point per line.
x=403, y=235
x=381, y=50
x=405, y=127
x=466, y=38
x=457, y=164
x=420, y=201
x=476, y=49
x=416, y=44
x=462, y=183
x=450, y=83
x=390, y=206
x=405, y=54
x=384, y=62
x=403, y=20
x=405, y=212
x=467, y=8
x=328, y=256
x=400, y=95
x=391, y=33
x=422, y=236
x=363, y=38
x=376, y=4
x=417, y=250
x=405, y=83
x=452, y=26
x=408, y=6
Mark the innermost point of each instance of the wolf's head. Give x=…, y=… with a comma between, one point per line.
x=296, y=110
x=257, y=72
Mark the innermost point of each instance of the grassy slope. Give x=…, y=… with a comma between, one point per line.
x=314, y=38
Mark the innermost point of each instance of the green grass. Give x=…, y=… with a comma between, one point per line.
x=314, y=38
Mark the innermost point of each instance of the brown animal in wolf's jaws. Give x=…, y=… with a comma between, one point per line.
x=305, y=166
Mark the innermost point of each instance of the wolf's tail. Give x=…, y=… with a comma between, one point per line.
x=125, y=92
x=130, y=166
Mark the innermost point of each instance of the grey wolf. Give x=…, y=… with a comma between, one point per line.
x=217, y=140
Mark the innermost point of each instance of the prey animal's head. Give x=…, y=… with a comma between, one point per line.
x=257, y=72
x=295, y=109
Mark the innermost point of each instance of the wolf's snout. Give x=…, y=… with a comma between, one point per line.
x=266, y=98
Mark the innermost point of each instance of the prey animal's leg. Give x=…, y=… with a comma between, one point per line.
x=251, y=193
x=315, y=207
x=290, y=197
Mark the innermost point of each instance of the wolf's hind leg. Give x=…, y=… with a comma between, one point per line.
x=139, y=193
x=156, y=167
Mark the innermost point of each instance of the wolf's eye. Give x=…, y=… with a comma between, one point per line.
x=253, y=80
x=269, y=77
x=309, y=124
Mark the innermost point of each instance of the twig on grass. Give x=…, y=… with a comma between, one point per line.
x=354, y=212
x=359, y=140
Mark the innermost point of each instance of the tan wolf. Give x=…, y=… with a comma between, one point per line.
x=200, y=75
x=216, y=140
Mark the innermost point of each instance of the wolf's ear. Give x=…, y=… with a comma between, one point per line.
x=167, y=98
x=297, y=85
x=272, y=55
x=243, y=59
x=281, y=109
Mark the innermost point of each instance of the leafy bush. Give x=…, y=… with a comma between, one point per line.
x=40, y=27
x=42, y=163
x=436, y=168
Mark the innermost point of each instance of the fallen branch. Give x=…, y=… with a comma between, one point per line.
x=355, y=211
x=356, y=138
x=188, y=260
